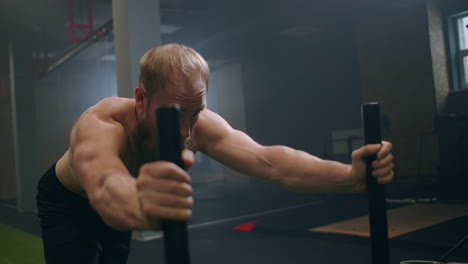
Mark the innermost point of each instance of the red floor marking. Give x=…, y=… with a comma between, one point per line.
x=246, y=227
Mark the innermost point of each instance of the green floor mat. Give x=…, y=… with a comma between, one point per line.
x=19, y=247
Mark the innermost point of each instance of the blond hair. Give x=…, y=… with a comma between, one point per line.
x=160, y=61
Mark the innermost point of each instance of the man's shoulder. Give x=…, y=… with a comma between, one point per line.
x=207, y=116
x=110, y=104
x=208, y=120
x=109, y=114
x=210, y=126
x=111, y=109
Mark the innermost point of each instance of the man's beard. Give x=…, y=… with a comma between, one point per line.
x=146, y=141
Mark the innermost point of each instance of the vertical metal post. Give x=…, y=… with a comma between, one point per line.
x=11, y=58
x=132, y=40
x=376, y=192
x=170, y=149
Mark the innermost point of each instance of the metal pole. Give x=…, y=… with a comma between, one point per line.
x=170, y=149
x=376, y=192
x=19, y=203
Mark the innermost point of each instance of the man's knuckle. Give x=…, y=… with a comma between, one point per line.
x=172, y=169
x=151, y=210
x=144, y=169
x=190, y=202
x=173, y=187
x=187, y=189
x=169, y=201
x=185, y=214
x=174, y=214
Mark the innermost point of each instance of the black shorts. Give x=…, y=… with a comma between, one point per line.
x=72, y=231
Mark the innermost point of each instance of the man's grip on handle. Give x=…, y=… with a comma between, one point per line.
x=170, y=149
x=376, y=192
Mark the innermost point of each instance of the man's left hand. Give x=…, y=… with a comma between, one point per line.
x=382, y=168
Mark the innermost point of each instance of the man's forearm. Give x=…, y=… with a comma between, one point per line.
x=118, y=204
x=301, y=172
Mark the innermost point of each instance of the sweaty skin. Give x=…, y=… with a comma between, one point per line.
x=111, y=158
x=111, y=112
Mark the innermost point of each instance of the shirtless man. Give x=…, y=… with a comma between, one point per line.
x=109, y=181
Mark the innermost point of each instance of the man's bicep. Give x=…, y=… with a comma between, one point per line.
x=91, y=157
x=95, y=152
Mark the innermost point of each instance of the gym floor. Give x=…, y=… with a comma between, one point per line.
x=275, y=227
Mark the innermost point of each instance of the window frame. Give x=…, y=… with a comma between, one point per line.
x=458, y=76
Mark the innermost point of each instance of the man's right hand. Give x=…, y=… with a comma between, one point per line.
x=164, y=190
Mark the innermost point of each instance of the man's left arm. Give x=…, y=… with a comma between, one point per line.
x=292, y=169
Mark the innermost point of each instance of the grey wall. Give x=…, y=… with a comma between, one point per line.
x=63, y=95
x=7, y=164
x=7, y=160
x=45, y=107
x=50, y=105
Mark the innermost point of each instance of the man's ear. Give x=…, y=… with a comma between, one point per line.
x=140, y=100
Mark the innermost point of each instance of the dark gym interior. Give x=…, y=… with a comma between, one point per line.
x=291, y=73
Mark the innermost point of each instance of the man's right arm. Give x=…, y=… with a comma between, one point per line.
x=122, y=201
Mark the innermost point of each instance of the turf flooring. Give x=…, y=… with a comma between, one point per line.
x=19, y=247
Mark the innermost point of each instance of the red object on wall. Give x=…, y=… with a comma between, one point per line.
x=85, y=29
x=247, y=227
